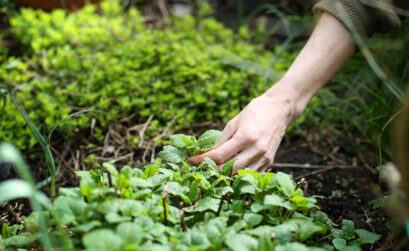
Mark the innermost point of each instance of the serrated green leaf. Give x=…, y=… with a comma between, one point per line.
x=227, y=167
x=151, y=170
x=171, y=154
x=177, y=141
x=176, y=189
x=366, y=237
x=348, y=227
x=194, y=191
x=286, y=183
x=322, y=218
x=238, y=206
x=337, y=233
x=207, y=140
x=190, y=141
x=339, y=244
x=210, y=163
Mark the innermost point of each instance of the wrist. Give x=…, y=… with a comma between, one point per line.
x=295, y=94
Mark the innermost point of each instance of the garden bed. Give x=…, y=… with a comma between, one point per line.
x=137, y=122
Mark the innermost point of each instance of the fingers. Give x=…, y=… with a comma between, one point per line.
x=228, y=133
x=245, y=158
x=264, y=162
x=220, y=154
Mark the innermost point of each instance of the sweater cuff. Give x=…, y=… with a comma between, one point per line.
x=361, y=19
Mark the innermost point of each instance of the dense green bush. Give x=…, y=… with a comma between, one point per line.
x=109, y=60
x=172, y=205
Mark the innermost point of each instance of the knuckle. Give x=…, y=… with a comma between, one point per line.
x=218, y=158
x=247, y=137
x=262, y=149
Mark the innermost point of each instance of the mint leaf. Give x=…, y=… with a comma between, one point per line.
x=177, y=140
x=194, y=191
x=295, y=246
x=171, y=154
x=264, y=243
x=227, y=168
x=102, y=239
x=286, y=183
x=130, y=232
x=278, y=201
x=151, y=170
x=69, y=208
x=339, y=244
x=205, y=204
x=195, y=240
x=210, y=163
x=207, y=140
x=241, y=242
x=176, y=189
x=366, y=237
x=322, y=218
x=348, y=227
x=252, y=219
x=337, y=233
x=20, y=240
x=303, y=228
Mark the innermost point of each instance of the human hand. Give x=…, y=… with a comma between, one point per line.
x=253, y=136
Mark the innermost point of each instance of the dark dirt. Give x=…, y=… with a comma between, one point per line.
x=347, y=191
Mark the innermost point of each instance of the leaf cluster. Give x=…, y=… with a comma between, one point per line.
x=172, y=205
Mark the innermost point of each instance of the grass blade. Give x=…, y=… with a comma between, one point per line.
x=68, y=117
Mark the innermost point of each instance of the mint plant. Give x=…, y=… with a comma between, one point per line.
x=172, y=205
x=351, y=239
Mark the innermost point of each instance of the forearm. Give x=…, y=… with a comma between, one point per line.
x=327, y=50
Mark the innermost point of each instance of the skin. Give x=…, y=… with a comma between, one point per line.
x=253, y=136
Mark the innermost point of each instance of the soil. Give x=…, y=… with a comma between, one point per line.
x=348, y=192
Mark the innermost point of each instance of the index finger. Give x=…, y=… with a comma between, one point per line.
x=220, y=154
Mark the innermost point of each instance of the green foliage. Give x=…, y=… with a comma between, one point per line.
x=110, y=61
x=350, y=239
x=178, y=206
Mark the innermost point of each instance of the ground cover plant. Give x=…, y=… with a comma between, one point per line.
x=174, y=205
x=109, y=60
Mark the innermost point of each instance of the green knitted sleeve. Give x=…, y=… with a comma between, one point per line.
x=362, y=17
